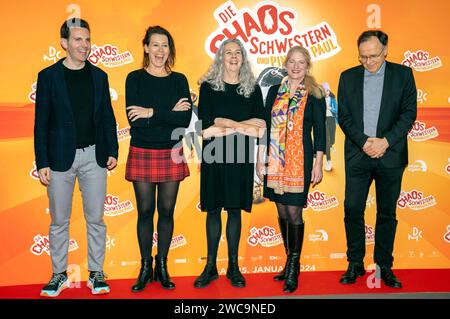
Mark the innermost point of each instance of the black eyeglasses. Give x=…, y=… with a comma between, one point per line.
x=364, y=59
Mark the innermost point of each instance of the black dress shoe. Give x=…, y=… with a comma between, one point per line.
x=389, y=278
x=354, y=271
x=235, y=276
x=209, y=274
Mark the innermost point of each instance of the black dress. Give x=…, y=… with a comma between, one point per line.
x=313, y=120
x=227, y=172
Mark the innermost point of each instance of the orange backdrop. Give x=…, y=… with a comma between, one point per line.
x=30, y=42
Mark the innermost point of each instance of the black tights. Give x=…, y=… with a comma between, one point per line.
x=145, y=199
x=214, y=231
x=292, y=213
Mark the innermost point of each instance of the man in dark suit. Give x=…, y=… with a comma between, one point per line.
x=377, y=107
x=75, y=137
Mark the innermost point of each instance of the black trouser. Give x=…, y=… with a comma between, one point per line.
x=359, y=176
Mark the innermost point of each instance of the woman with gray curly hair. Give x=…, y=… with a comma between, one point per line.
x=232, y=111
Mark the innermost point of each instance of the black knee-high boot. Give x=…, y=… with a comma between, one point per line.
x=282, y=222
x=161, y=273
x=145, y=275
x=295, y=243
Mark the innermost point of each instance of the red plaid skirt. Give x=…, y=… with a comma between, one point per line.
x=154, y=166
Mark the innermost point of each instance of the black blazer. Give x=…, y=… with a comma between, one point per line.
x=398, y=112
x=54, y=127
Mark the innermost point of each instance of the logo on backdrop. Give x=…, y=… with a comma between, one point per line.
x=113, y=94
x=53, y=54
x=177, y=241
x=415, y=200
x=318, y=235
x=32, y=94
x=113, y=206
x=371, y=200
x=421, y=96
x=109, y=56
x=268, y=32
x=338, y=255
x=42, y=244
x=421, y=61
x=34, y=173
x=319, y=201
x=266, y=236
x=447, y=167
x=419, y=132
x=123, y=133
x=418, y=166
x=370, y=234
x=447, y=235
x=110, y=242
x=416, y=234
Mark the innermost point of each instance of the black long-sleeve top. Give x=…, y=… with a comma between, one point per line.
x=162, y=130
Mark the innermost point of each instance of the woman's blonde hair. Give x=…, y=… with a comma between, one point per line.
x=215, y=73
x=310, y=82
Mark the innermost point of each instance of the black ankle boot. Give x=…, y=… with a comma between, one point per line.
x=209, y=274
x=161, y=273
x=295, y=243
x=283, y=228
x=145, y=275
x=234, y=274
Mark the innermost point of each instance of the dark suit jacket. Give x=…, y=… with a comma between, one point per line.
x=54, y=127
x=397, y=113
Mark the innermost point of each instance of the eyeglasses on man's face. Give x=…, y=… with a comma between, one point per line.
x=364, y=59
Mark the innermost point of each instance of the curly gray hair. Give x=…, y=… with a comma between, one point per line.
x=214, y=76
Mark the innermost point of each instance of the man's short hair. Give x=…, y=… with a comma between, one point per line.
x=72, y=23
x=380, y=35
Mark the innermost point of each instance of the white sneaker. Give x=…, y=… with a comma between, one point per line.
x=328, y=166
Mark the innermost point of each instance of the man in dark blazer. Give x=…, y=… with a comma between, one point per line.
x=377, y=107
x=75, y=137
